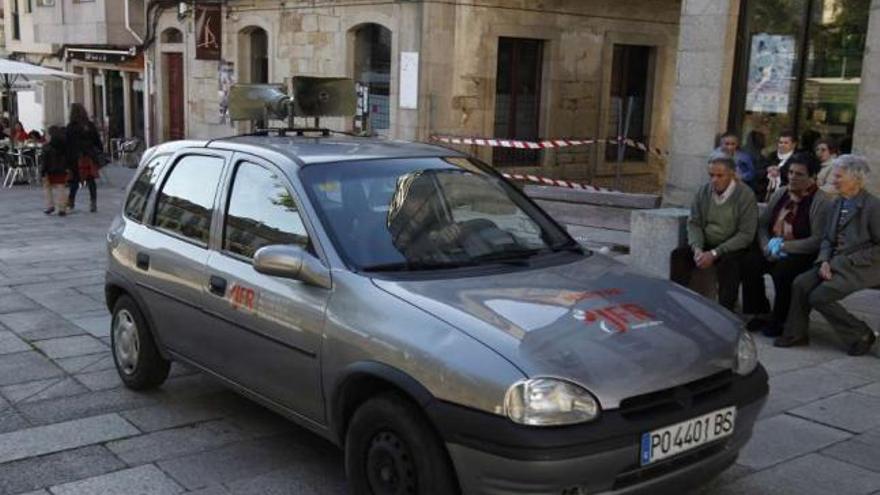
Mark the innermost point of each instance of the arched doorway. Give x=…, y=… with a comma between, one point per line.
x=253, y=55
x=372, y=68
x=173, y=85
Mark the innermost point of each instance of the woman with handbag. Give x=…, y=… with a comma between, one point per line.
x=84, y=153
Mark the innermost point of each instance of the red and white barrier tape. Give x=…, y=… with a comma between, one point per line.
x=544, y=144
x=553, y=182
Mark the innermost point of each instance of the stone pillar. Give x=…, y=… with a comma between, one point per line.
x=866, y=139
x=88, y=91
x=126, y=104
x=704, y=71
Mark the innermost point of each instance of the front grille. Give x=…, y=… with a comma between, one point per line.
x=676, y=398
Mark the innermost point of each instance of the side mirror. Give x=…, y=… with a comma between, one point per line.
x=291, y=262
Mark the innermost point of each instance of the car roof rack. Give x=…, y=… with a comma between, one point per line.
x=286, y=131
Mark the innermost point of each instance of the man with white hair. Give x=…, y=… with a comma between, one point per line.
x=849, y=260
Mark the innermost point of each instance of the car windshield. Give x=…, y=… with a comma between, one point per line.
x=427, y=213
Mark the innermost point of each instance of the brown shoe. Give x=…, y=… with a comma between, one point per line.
x=791, y=341
x=863, y=345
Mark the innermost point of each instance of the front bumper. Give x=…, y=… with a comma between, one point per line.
x=598, y=457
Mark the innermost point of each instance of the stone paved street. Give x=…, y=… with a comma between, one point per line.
x=67, y=426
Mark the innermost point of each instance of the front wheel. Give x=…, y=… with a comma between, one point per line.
x=390, y=449
x=138, y=362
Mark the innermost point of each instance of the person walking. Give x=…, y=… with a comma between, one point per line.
x=54, y=172
x=849, y=260
x=84, y=150
x=790, y=230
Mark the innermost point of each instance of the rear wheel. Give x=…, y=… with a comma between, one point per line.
x=137, y=359
x=390, y=449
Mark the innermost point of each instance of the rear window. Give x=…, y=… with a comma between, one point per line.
x=136, y=203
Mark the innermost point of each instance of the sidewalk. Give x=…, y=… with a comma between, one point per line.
x=68, y=427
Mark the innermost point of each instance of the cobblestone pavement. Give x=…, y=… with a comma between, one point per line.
x=68, y=427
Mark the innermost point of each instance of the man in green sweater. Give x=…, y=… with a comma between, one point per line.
x=721, y=227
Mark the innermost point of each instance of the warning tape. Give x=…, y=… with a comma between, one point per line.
x=553, y=182
x=544, y=144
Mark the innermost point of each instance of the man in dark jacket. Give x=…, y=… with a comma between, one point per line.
x=849, y=260
x=721, y=227
x=790, y=230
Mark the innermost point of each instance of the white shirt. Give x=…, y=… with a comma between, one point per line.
x=722, y=198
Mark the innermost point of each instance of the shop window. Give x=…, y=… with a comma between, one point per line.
x=629, y=113
x=372, y=69
x=518, y=99
x=800, y=63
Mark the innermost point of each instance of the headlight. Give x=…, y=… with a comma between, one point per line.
x=746, y=354
x=549, y=402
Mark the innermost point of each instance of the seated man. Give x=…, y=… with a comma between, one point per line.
x=849, y=260
x=790, y=231
x=721, y=227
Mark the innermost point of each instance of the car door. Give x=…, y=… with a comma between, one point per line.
x=172, y=252
x=267, y=330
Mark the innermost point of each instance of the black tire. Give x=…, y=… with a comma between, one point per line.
x=390, y=449
x=138, y=362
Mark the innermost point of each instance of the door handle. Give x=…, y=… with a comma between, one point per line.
x=143, y=261
x=217, y=286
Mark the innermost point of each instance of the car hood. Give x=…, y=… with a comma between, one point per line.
x=594, y=322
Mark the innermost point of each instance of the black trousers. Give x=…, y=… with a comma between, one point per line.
x=783, y=272
x=74, y=187
x=728, y=269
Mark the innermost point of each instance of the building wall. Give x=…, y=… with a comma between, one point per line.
x=458, y=52
x=101, y=22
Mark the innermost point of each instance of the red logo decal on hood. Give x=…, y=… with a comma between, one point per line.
x=618, y=318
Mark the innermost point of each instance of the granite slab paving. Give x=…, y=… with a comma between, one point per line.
x=142, y=480
x=56, y=437
x=815, y=435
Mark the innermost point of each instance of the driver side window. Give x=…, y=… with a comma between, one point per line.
x=261, y=211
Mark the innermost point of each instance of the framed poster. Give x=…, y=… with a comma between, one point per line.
x=771, y=66
x=409, y=80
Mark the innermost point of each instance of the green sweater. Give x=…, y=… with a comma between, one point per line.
x=728, y=227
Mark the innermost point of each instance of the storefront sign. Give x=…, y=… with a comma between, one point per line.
x=101, y=55
x=208, y=29
x=771, y=61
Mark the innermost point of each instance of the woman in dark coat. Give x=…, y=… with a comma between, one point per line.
x=84, y=149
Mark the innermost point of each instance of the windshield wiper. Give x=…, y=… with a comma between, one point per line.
x=512, y=257
x=573, y=246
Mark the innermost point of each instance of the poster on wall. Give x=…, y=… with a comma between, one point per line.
x=771, y=62
x=225, y=80
x=208, y=32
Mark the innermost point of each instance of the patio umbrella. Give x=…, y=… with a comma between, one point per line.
x=13, y=72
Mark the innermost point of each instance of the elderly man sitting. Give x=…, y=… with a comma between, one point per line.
x=721, y=227
x=849, y=260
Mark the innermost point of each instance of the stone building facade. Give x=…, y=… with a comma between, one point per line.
x=503, y=68
x=98, y=39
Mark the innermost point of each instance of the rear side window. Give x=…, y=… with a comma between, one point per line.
x=136, y=203
x=261, y=212
x=186, y=200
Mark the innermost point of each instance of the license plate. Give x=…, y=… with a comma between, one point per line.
x=680, y=437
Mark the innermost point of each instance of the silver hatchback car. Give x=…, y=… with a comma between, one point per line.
x=409, y=304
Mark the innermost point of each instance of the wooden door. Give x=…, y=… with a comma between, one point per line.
x=174, y=101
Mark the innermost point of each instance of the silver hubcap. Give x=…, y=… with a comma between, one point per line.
x=126, y=344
